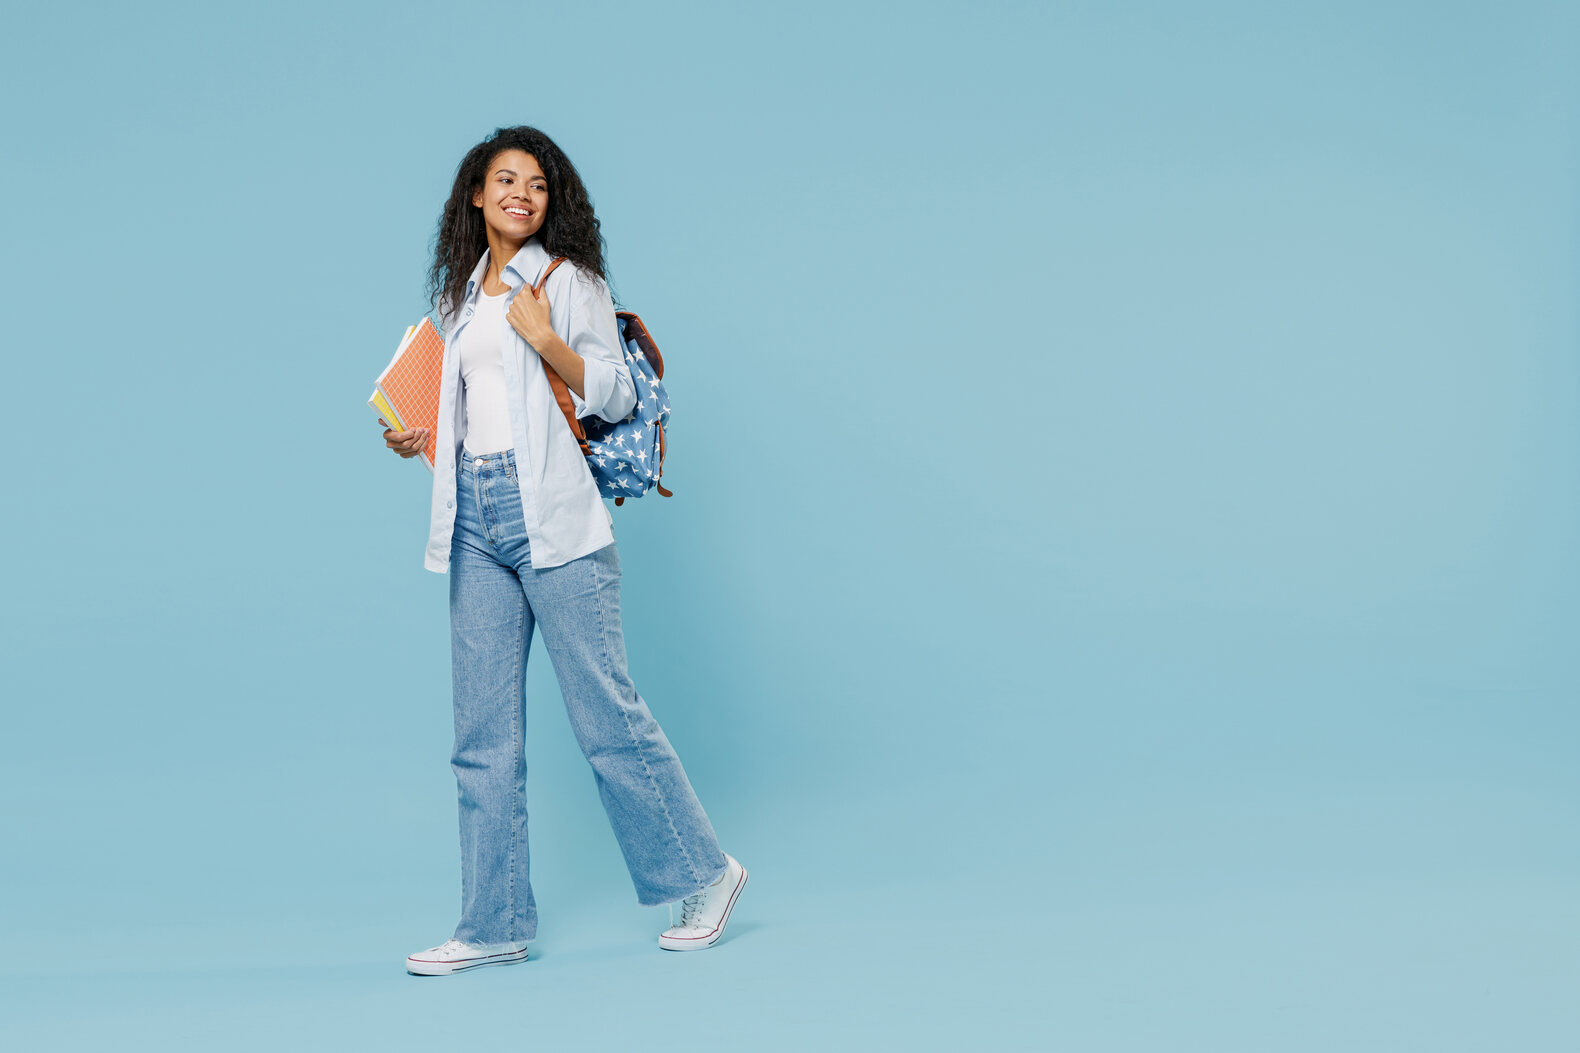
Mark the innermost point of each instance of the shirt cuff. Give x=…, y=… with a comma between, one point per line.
x=598, y=378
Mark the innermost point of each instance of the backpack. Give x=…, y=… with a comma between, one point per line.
x=626, y=457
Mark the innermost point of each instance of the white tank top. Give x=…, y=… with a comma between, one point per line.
x=483, y=372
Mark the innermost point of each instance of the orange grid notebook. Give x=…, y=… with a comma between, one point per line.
x=407, y=392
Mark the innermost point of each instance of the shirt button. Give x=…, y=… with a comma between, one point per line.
x=449, y=504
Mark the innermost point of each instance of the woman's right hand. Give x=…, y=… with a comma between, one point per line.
x=405, y=443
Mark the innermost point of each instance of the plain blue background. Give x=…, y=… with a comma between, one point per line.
x=1121, y=584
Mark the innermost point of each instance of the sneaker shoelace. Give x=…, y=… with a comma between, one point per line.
x=690, y=907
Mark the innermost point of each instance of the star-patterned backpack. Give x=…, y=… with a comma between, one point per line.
x=627, y=456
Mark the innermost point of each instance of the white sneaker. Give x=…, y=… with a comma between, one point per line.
x=703, y=913
x=453, y=956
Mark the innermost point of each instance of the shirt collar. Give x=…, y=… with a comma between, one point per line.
x=529, y=259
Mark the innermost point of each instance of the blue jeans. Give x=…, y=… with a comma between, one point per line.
x=496, y=599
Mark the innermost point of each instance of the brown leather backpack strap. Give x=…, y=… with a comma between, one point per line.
x=661, y=451
x=562, y=395
x=543, y=280
x=562, y=391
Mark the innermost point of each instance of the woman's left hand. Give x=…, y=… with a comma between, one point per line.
x=529, y=316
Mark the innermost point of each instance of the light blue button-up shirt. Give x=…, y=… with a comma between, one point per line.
x=565, y=516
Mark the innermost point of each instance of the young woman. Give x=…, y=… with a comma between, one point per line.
x=517, y=521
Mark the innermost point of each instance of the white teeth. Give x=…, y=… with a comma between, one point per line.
x=516, y=211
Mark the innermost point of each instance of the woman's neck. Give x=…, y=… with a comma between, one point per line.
x=500, y=252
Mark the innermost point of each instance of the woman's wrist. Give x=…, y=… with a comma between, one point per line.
x=565, y=361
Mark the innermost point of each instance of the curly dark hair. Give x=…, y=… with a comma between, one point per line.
x=569, y=229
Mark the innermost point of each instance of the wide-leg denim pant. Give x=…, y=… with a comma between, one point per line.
x=496, y=600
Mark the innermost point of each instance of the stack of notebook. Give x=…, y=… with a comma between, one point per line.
x=407, y=392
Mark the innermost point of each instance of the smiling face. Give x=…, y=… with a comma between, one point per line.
x=514, y=197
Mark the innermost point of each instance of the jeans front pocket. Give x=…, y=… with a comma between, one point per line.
x=509, y=525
